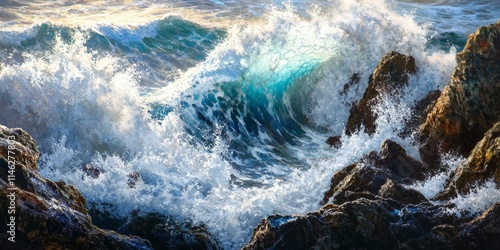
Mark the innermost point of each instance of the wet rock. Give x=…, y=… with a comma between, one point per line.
x=132, y=179
x=394, y=157
x=91, y=171
x=353, y=81
x=419, y=113
x=48, y=215
x=482, y=165
x=165, y=233
x=359, y=224
x=481, y=233
x=354, y=225
x=390, y=75
x=361, y=178
x=334, y=141
x=395, y=191
x=470, y=104
x=375, y=170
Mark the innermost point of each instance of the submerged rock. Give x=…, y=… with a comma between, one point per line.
x=470, y=104
x=48, y=215
x=334, y=141
x=482, y=165
x=390, y=75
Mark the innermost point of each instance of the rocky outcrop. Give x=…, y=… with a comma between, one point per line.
x=43, y=214
x=166, y=233
x=470, y=104
x=390, y=75
x=372, y=209
x=481, y=233
x=378, y=175
x=482, y=165
x=365, y=224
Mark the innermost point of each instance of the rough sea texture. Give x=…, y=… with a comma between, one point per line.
x=222, y=109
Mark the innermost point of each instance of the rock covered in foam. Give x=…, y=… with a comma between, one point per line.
x=482, y=165
x=470, y=104
x=48, y=215
x=390, y=75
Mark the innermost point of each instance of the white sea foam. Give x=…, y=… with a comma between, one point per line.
x=478, y=200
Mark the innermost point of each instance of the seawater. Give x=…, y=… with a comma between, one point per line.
x=222, y=108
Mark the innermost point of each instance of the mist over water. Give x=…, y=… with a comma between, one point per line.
x=221, y=108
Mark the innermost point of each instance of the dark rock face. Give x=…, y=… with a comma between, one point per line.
x=391, y=74
x=470, y=104
x=419, y=113
x=481, y=233
x=334, y=141
x=482, y=165
x=361, y=224
x=48, y=215
x=165, y=233
x=378, y=175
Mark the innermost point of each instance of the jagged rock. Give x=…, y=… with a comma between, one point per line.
x=353, y=81
x=481, y=233
x=165, y=233
x=132, y=179
x=390, y=75
x=482, y=165
x=395, y=191
x=334, y=141
x=419, y=113
x=368, y=176
x=92, y=171
x=470, y=104
x=48, y=215
x=359, y=224
x=394, y=157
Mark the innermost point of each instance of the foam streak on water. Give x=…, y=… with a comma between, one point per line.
x=224, y=126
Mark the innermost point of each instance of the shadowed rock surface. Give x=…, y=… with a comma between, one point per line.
x=419, y=113
x=470, y=104
x=482, y=165
x=164, y=232
x=378, y=174
x=391, y=74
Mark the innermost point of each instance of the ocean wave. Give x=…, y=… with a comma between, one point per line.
x=222, y=127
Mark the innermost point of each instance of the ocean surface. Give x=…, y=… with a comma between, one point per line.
x=221, y=107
